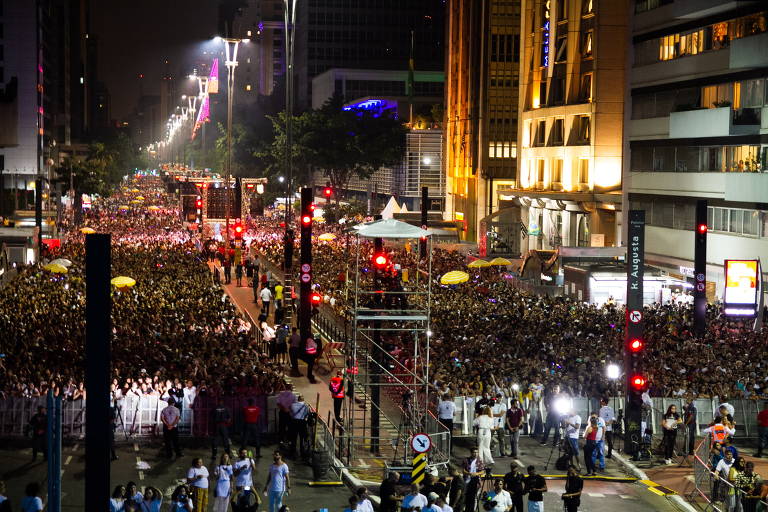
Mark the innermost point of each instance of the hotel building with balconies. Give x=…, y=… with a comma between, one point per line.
x=698, y=129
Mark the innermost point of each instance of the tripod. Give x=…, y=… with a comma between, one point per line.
x=486, y=486
x=561, y=437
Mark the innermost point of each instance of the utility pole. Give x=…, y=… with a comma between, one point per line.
x=700, y=269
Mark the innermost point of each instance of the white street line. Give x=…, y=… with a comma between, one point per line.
x=517, y=461
x=141, y=475
x=68, y=460
x=74, y=448
x=627, y=497
x=62, y=473
x=596, y=495
x=138, y=459
x=135, y=447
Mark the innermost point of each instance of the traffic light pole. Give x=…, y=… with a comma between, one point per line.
x=634, y=342
x=305, y=275
x=424, y=220
x=700, y=269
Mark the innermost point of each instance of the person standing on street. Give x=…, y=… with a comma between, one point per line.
x=336, y=387
x=446, y=409
x=388, y=493
x=669, y=423
x=573, y=487
x=278, y=483
x=535, y=487
x=689, y=420
x=251, y=427
x=485, y=425
x=473, y=469
x=243, y=469
x=312, y=349
x=227, y=271
x=221, y=419
x=279, y=295
x=266, y=298
x=607, y=414
x=197, y=478
x=299, y=412
x=294, y=352
x=501, y=496
x=170, y=416
x=499, y=412
x=32, y=502
x=38, y=426
x=255, y=284
x=239, y=274
x=514, y=421
x=762, y=430
x=223, y=490
x=513, y=482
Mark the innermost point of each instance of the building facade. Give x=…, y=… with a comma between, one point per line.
x=481, y=113
x=366, y=35
x=698, y=129
x=568, y=187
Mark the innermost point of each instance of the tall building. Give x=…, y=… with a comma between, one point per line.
x=62, y=26
x=481, y=115
x=568, y=187
x=262, y=60
x=366, y=35
x=698, y=129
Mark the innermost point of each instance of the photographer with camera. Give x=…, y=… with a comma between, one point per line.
x=573, y=487
x=497, y=500
x=473, y=469
x=414, y=501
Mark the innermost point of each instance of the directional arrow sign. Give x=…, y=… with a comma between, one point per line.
x=635, y=316
x=421, y=443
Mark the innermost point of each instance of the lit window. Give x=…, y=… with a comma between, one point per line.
x=248, y=87
x=586, y=44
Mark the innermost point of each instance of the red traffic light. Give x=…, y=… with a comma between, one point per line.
x=636, y=345
x=199, y=203
x=327, y=192
x=380, y=260
x=306, y=220
x=315, y=299
x=238, y=229
x=637, y=382
x=702, y=228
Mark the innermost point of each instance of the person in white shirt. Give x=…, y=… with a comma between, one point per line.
x=432, y=503
x=572, y=426
x=485, y=425
x=445, y=412
x=223, y=490
x=607, y=414
x=197, y=478
x=243, y=470
x=499, y=411
x=266, y=298
x=502, y=498
x=363, y=502
x=413, y=499
x=444, y=507
x=170, y=417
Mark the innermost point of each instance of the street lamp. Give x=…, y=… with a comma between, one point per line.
x=231, y=45
x=612, y=371
x=290, y=24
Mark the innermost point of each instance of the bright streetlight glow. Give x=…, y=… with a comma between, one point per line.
x=427, y=160
x=612, y=371
x=281, y=179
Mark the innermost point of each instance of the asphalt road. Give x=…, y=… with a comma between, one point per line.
x=17, y=470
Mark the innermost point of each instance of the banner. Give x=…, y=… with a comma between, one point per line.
x=742, y=284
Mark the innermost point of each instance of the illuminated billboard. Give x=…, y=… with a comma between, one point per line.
x=742, y=287
x=213, y=78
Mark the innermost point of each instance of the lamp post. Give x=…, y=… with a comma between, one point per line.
x=290, y=24
x=231, y=45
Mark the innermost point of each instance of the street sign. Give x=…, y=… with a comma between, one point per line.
x=419, y=467
x=700, y=287
x=306, y=267
x=421, y=443
x=635, y=316
x=700, y=277
x=305, y=278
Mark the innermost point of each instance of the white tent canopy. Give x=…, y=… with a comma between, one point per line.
x=390, y=228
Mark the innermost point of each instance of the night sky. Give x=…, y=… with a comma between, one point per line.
x=137, y=36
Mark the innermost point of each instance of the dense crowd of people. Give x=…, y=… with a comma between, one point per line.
x=175, y=325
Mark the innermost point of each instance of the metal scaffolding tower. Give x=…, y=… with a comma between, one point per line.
x=388, y=355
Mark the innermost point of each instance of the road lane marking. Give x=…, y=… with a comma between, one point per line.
x=141, y=475
x=136, y=447
x=74, y=448
x=596, y=495
x=68, y=460
x=627, y=497
x=517, y=461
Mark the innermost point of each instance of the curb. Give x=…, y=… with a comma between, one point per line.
x=641, y=475
x=353, y=483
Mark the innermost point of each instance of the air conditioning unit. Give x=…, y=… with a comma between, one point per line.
x=539, y=185
x=582, y=187
x=556, y=185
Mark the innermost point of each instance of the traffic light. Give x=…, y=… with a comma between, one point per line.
x=238, y=231
x=637, y=382
x=328, y=192
x=305, y=259
x=199, y=203
x=315, y=299
x=636, y=345
x=700, y=269
x=199, y=210
x=380, y=261
x=306, y=221
x=702, y=229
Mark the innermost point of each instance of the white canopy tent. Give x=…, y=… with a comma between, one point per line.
x=390, y=228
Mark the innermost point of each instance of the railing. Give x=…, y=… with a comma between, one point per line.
x=137, y=416
x=716, y=490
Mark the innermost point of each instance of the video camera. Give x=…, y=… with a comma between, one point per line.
x=488, y=502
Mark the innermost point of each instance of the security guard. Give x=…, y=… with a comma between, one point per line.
x=299, y=413
x=337, y=393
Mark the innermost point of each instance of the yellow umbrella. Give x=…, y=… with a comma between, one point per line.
x=135, y=190
x=454, y=277
x=123, y=282
x=499, y=262
x=135, y=201
x=87, y=231
x=56, y=268
x=152, y=208
x=327, y=237
x=479, y=264
x=123, y=207
x=139, y=198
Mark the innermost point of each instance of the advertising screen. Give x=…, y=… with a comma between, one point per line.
x=741, y=282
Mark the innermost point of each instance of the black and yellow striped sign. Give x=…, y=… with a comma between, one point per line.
x=419, y=468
